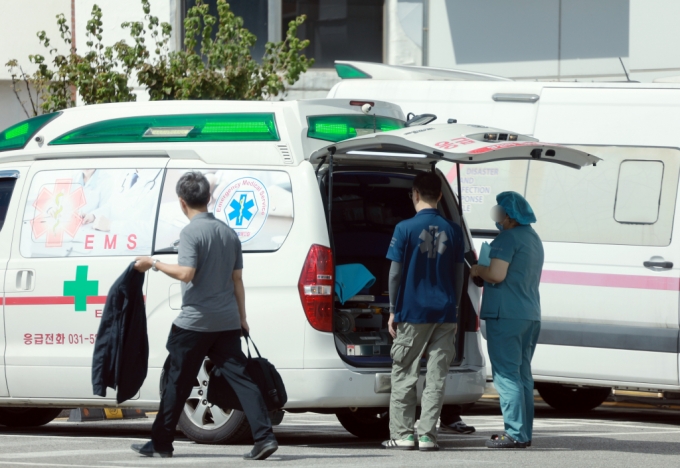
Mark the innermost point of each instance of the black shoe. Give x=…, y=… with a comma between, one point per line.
x=529, y=444
x=459, y=427
x=148, y=451
x=262, y=450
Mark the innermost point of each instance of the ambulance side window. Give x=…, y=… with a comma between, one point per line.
x=256, y=204
x=6, y=188
x=480, y=183
x=627, y=199
x=91, y=213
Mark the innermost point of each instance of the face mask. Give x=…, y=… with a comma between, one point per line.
x=498, y=215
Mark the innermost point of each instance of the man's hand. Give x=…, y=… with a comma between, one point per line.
x=474, y=271
x=143, y=264
x=391, y=326
x=245, y=326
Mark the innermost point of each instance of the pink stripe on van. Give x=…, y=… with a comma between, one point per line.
x=660, y=283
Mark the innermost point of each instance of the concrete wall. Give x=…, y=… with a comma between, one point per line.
x=556, y=39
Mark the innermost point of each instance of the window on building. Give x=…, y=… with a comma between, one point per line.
x=338, y=29
x=254, y=14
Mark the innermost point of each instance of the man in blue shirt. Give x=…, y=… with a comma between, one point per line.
x=425, y=287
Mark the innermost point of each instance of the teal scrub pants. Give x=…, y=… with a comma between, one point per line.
x=511, y=345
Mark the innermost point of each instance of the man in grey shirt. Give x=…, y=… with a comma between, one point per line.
x=213, y=314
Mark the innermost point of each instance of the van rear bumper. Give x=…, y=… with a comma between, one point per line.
x=343, y=388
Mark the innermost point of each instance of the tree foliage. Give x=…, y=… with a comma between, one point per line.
x=215, y=62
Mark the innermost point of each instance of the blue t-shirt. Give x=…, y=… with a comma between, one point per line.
x=516, y=297
x=428, y=246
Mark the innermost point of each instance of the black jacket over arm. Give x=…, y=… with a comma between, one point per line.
x=121, y=351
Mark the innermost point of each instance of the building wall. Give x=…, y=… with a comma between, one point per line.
x=521, y=39
x=556, y=39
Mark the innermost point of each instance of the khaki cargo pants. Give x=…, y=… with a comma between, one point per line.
x=437, y=342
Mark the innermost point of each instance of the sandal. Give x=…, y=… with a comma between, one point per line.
x=504, y=441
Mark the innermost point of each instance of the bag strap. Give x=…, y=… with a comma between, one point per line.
x=249, y=340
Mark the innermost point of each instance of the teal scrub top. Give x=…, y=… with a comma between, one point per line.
x=516, y=297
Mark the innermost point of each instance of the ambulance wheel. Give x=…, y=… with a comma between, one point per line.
x=27, y=417
x=572, y=399
x=366, y=423
x=209, y=424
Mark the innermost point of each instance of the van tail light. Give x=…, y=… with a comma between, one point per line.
x=316, y=287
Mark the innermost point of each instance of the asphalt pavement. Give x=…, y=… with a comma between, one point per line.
x=613, y=435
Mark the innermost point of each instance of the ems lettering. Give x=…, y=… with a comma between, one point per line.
x=98, y=313
x=110, y=242
x=89, y=242
x=132, y=242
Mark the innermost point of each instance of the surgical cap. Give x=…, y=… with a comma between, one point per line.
x=516, y=206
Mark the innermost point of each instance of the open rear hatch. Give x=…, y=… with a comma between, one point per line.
x=364, y=203
x=457, y=143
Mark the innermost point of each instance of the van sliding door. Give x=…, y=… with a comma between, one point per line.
x=611, y=279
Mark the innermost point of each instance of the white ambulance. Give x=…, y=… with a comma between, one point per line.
x=611, y=285
x=306, y=185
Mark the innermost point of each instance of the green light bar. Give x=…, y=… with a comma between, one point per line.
x=349, y=72
x=341, y=127
x=171, y=128
x=17, y=136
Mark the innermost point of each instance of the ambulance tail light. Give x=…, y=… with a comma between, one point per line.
x=316, y=287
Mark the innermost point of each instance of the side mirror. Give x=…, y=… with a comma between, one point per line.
x=422, y=119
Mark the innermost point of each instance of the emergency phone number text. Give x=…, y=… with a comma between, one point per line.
x=59, y=338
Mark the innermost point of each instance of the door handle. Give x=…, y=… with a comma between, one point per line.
x=24, y=280
x=658, y=264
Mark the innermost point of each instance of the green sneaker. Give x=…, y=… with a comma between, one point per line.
x=407, y=443
x=425, y=444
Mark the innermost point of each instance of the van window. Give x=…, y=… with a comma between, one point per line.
x=6, y=189
x=91, y=212
x=258, y=205
x=638, y=192
x=480, y=183
x=627, y=199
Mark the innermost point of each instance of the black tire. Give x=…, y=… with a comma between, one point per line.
x=27, y=417
x=572, y=399
x=366, y=423
x=208, y=424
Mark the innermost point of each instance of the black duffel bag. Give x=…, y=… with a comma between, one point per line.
x=263, y=373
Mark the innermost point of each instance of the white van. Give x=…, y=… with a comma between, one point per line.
x=611, y=283
x=306, y=185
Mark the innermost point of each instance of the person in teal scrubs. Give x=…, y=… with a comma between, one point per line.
x=511, y=307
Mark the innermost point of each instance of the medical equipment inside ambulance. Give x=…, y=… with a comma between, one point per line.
x=366, y=208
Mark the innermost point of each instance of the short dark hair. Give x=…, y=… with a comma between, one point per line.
x=428, y=185
x=194, y=189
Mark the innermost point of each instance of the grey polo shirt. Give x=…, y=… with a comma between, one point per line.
x=208, y=301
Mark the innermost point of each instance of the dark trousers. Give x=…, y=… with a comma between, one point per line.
x=450, y=414
x=187, y=351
